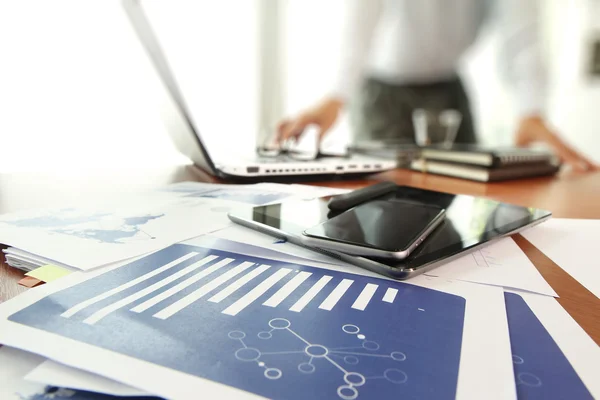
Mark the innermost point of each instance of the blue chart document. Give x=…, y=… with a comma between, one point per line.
x=541, y=369
x=53, y=393
x=276, y=329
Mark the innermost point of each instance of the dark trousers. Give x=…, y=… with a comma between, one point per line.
x=384, y=112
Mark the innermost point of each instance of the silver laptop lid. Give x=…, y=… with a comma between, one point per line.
x=177, y=116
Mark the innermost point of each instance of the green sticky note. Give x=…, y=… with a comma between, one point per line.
x=48, y=273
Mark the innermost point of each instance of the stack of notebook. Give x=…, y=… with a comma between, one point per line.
x=486, y=165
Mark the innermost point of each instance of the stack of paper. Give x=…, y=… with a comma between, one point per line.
x=232, y=313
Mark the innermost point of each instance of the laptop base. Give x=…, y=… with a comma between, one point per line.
x=221, y=176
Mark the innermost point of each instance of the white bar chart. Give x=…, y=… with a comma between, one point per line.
x=311, y=294
x=365, y=297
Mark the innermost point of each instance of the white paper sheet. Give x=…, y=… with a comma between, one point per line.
x=54, y=374
x=477, y=381
x=485, y=363
x=14, y=364
x=317, y=191
x=501, y=263
x=24, y=375
x=306, y=191
x=572, y=245
x=86, y=238
x=578, y=348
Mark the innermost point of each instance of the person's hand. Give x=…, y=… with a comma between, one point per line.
x=533, y=129
x=323, y=116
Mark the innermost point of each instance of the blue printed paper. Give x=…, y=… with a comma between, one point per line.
x=275, y=329
x=541, y=369
x=55, y=393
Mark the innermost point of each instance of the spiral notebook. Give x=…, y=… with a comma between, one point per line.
x=486, y=157
x=483, y=174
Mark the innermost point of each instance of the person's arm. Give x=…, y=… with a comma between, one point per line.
x=360, y=20
x=522, y=64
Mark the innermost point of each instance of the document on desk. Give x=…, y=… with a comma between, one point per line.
x=553, y=357
x=86, y=238
x=572, y=245
x=190, y=319
x=501, y=263
x=256, y=194
x=14, y=365
x=54, y=374
x=307, y=191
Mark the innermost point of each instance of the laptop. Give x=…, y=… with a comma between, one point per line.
x=249, y=165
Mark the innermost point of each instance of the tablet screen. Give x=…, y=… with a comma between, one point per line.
x=386, y=225
x=469, y=221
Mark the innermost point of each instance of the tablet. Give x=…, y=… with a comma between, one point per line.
x=470, y=223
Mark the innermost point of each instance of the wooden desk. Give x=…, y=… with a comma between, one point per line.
x=568, y=196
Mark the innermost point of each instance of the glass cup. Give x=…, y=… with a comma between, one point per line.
x=433, y=127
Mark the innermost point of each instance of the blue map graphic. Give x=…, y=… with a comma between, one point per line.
x=70, y=222
x=60, y=219
x=541, y=369
x=245, y=195
x=276, y=329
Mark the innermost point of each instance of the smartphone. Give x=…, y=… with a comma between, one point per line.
x=380, y=228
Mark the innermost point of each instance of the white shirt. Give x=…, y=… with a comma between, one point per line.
x=418, y=41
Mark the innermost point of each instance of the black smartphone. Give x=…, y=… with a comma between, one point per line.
x=378, y=228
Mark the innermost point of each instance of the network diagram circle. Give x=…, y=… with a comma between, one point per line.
x=354, y=379
x=351, y=329
x=395, y=375
x=316, y=350
x=351, y=360
x=347, y=392
x=398, y=356
x=236, y=335
x=517, y=359
x=279, y=323
x=529, y=379
x=265, y=335
x=247, y=354
x=370, y=345
x=306, y=368
x=273, y=373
